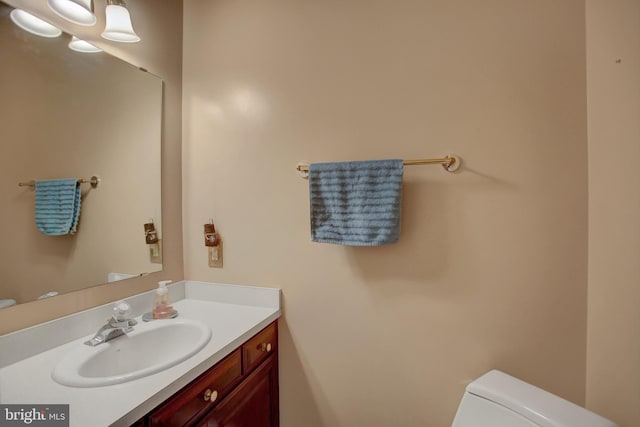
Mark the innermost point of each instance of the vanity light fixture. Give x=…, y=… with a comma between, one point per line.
x=119, y=27
x=33, y=24
x=82, y=46
x=77, y=11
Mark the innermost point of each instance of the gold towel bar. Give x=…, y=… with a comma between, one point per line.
x=94, y=180
x=450, y=163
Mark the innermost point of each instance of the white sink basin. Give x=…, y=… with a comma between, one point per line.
x=150, y=348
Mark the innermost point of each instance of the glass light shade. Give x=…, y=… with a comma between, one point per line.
x=77, y=11
x=82, y=46
x=119, y=27
x=33, y=24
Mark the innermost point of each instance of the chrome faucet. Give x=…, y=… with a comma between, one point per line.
x=120, y=323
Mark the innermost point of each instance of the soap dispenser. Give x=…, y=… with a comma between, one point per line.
x=162, y=308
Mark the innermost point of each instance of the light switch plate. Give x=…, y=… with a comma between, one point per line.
x=214, y=255
x=155, y=252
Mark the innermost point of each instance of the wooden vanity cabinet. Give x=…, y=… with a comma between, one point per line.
x=239, y=391
x=254, y=403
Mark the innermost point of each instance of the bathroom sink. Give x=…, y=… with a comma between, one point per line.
x=150, y=348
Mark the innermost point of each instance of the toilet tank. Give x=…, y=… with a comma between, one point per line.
x=499, y=400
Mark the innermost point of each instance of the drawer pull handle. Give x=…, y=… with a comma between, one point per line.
x=210, y=395
x=265, y=347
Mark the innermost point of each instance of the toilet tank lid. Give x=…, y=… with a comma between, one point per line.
x=533, y=403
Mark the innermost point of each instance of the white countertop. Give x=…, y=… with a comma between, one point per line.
x=221, y=307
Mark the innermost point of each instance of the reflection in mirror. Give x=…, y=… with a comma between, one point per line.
x=66, y=114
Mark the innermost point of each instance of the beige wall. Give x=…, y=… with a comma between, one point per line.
x=160, y=26
x=491, y=269
x=613, y=86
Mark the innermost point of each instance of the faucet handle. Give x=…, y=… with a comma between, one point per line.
x=121, y=311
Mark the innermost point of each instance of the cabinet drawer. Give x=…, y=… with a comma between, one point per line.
x=204, y=393
x=259, y=347
x=254, y=403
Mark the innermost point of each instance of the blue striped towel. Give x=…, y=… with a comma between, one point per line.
x=356, y=203
x=58, y=206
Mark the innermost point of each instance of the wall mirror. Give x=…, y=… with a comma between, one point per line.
x=66, y=114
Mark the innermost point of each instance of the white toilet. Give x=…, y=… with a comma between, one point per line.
x=499, y=400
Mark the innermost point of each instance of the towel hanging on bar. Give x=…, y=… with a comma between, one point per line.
x=57, y=207
x=356, y=203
